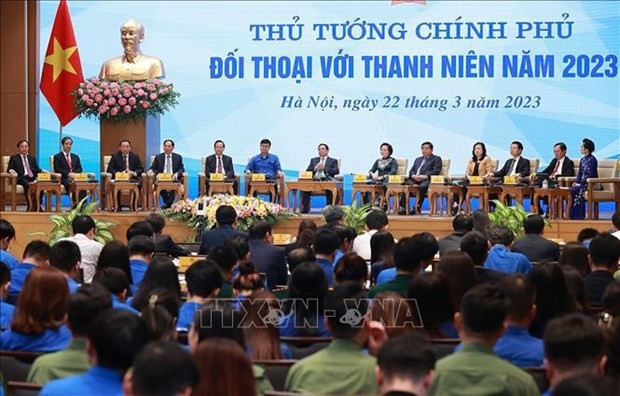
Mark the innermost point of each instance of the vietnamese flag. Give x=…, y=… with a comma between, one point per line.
x=62, y=69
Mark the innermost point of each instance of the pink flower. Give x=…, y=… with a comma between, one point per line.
x=153, y=96
x=125, y=86
x=122, y=102
x=145, y=105
x=85, y=97
x=131, y=101
x=89, y=102
x=114, y=111
x=104, y=85
x=115, y=91
x=80, y=92
x=165, y=90
x=106, y=92
x=102, y=109
x=94, y=80
x=90, y=86
x=82, y=85
x=114, y=85
x=96, y=90
x=127, y=109
x=127, y=93
x=141, y=92
x=150, y=87
x=111, y=101
x=98, y=98
x=156, y=81
x=139, y=85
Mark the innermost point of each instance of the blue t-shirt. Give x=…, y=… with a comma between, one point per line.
x=270, y=165
x=96, y=381
x=521, y=349
x=6, y=315
x=51, y=340
x=138, y=269
x=328, y=269
x=187, y=314
x=116, y=303
x=288, y=327
x=503, y=260
x=387, y=275
x=8, y=259
x=72, y=284
x=18, y=277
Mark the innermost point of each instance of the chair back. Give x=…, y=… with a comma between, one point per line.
x=18, y=388
x=534, y=162
x=339, y=160
x=576, y=166
x=403, y=163
x=276, y=371
x=203, y=163
x=445, y=167
x=106, y=161
x=5, y=168
x=52, y=163
x=495, y=165
x=539, y=374
x=148, y=166
x=608, y=168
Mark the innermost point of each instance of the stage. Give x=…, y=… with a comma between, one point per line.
x=30, y=226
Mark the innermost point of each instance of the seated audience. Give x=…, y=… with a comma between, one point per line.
x=84, y=228
x=333, y=215
x=305, y=235
x=115, y=255
x=390, y=316
x=405, y=366
x=604, y=256
x=611, y=305
x=141, y=251
x=552, y=297
x=587, y=385
x=36, y=254
x=475, y=369
x=576, y=288
x=204, y=280
x=574, y=346
x=481, y=222
x=476, y=245
x=534, y=245
x=325, y=246
x=84, y=305
x=261, y=333
x=7, y=234
x=141, y=227
x=115, y=281
x=458, y=269
x=381, y=254
x=342, y=367
x=160, y=315
x=298, y=256
x=461, y=225
x=307, y=289
x=575, y=255
x=431, y=295
x=516, y=344
x=376, y=220
x=114, y=338
x=161, y=368
x=164, y=242
x=6, y=310
x=38, y=324
x=225, y=259
x=226, y=227
x=267, y=258
x=66, y=256
x=429, y=247
x=345, y=235
x=162, y=273
x=586, y=235
x=247, y=282
x=351, y=267
x=500, y=257
x=615, y=221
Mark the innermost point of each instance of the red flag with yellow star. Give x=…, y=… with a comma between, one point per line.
x=62, y=69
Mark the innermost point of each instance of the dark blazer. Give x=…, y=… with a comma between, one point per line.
x=431, y=167
x=331, y=167
x=165, y=244
x=450, y=243
x=62, y=166
x=537, y=248
x=523, y=168
x=159, y=164
x=227, y=164
x=217, y=236
x=568, y=168
x=118, y=165
x=269, y=259
x=15, y=163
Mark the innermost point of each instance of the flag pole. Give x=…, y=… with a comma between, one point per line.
x=60, y=138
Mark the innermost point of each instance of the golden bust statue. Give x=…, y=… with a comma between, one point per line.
x=132, y=65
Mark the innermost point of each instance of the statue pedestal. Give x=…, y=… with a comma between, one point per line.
x=144, y=135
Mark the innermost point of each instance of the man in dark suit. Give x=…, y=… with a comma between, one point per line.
x=533, y=245
x=559, y=166
x=226, y=220
x=24, y=166
x=67, y=164
x=604, y=255
x=420, y=174
x=267, y=258
x=164, y=243
x=220, y=163
x=168, y=162
x=461, y=224
x=124, y=160
x=516, y=165
x=323, y=168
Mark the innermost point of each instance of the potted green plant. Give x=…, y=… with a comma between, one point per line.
x=355, y=215
x=511, y=217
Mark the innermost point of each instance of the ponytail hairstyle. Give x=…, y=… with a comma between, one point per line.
x=248, y=280
x=160, y=315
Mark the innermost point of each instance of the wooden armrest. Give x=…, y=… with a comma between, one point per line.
x=603, y=180
x=201, y=174
x=7, y=174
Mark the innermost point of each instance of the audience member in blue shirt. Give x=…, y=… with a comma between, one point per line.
x=6, y=310
x=325, y=247
x=500, y=257
x=115, y=281
x=65, y=255
x=141, y=251
x=307, y=289
x=516, y=344
x=115, y=336
x=7, y=234
x=266, y=163
x=351, y=267
x=36, y=254
x=42, y=306
x=204, y=281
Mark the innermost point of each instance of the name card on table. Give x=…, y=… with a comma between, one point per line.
x=510, y=180
x=164, y=177
x=216, y=177
x=282, y=239
x=44, y=177
x=359, y=178
x=396, y=179
x=475, y=180
x=80, y=177
x=186, y=261
x=121, y=176
x=438, y=179
x=258, y=177
x=305, y=175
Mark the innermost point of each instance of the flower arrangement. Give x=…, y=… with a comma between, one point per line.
x=124, y=100
x=249, y=210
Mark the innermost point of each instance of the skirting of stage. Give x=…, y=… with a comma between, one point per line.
x=30, y=226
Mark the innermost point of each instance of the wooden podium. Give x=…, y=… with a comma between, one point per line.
x=144, y=135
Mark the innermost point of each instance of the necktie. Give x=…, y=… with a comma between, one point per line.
x=69, y=162
x=321, y=173
x=555, y=169
x=126, y=159
x=421, y=165
x=219, y=165
x=26, y=166
x=168, y=164
x=513, y=167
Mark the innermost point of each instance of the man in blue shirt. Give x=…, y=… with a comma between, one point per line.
x=115, y=336
x=36, y=254
x=6, y=310
x=516, y=344
x=204, y=281
x=7, y=234
x=266, y=163
x=325, y=246
x=141, y=251
x=66, y=256
x=116, y=282
x=500, y=257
